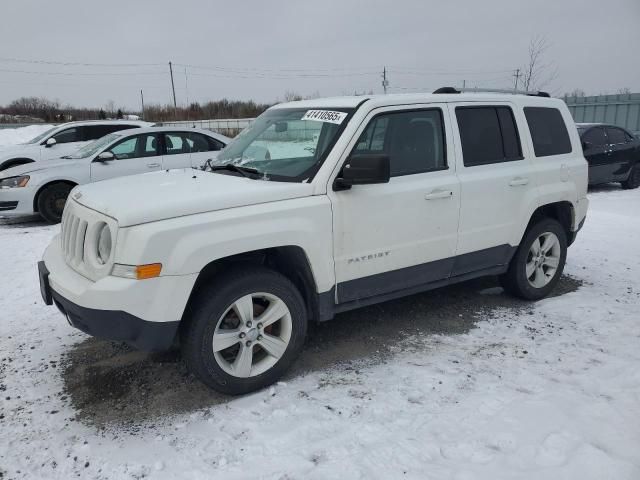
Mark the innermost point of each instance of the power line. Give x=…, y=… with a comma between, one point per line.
x=81, y=64
x=84, y=74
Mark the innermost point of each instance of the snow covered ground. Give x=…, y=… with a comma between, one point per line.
x=12, y=136
x=545, y=390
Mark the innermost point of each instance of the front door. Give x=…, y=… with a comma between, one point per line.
x=136, y=154
x=621, y=153
x=596, y=152
x=402, y=234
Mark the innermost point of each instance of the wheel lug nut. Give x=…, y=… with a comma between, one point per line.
x=242, y=334
x=249, y=324
x=259, y=325
x=259, y=337
x=248, y=344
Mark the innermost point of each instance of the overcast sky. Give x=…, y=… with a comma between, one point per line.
x=258, y=49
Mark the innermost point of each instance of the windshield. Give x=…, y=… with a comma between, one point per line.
x=94, y=147
x=286, y=144
x=42, y=136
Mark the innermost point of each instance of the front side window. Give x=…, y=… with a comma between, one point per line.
x=286, y=144
x=548, y=131
x=135, y=147
x=68, y=136
x=413, y=140
x=615, y=136
x=488, y=135
x=94, y=147
x=594, y=137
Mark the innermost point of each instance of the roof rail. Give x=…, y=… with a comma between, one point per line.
x=530, y=93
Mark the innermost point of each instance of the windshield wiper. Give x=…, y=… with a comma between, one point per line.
x=230, y=167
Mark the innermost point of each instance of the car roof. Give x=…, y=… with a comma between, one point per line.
x=82, y=123
x=410, y=98
x=136, y=131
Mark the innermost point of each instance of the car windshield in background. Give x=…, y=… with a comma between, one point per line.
x=94, y=147
x=42, y=136
x=286, y=144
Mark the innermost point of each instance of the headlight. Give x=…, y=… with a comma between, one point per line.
x=104, y=244
x=14, y=182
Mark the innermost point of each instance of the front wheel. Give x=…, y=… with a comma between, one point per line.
x=51, y=201
x=539, y=261
x=244, y=330
x=634, y=179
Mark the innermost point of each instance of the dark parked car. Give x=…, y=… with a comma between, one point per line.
x=612, y=152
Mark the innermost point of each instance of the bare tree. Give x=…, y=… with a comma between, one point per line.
x=624, y=91
x=577, y=92
x=537, y=73
x=290, y=96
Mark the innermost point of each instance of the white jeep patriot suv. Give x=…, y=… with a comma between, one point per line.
x=319, y=207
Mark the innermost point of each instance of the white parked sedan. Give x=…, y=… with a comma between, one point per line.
x=44, y=188
x=62, y=140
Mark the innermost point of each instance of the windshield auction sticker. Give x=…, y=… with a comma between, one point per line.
x=325, y=116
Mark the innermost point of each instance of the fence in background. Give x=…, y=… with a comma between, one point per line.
x=226, y=126
x=622, y=110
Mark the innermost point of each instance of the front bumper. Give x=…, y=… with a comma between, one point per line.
x=143, y=313
x=15, y=202
x=110, y=324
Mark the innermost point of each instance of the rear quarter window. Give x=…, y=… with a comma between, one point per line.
x=548, y=131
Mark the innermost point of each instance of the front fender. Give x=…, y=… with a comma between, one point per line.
x=185, y=245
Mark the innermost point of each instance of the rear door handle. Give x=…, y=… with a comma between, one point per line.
x=436, y=194
x=153, y=165
x=519, y=182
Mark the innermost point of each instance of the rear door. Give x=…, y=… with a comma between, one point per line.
x=136, y=154
x=177, y=150
x=621, y=152
x=497, y=188
x=596, y=151
x=203, y=148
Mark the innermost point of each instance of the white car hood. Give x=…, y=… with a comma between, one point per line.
x=19, y=150
x=150, y=197
x=34, y=167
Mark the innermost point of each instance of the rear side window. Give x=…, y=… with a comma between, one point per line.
x=615, y=135
x=202, y=143
x=548, y=131
x=93, y=132
x=488, y=135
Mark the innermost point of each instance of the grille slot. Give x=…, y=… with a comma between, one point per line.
x=73, y=233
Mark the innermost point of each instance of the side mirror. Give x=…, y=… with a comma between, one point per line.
x=50, y=142
x=586, y=145
x=105, y=157
x=363, y=169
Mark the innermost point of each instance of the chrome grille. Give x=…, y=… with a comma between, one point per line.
x=73, y=233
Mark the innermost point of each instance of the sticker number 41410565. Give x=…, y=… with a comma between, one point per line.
x=325, y=116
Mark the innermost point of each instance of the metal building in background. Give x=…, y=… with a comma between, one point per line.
x=622, y=110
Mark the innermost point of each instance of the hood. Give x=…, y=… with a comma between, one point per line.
x=168, y=194
x=34, y=167
x=22, y=149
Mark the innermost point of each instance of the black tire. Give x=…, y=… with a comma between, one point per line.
x=51, y=201
x=208, y=307
x=515, y=280
x=634, y=179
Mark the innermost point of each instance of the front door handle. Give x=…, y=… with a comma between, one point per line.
x=436, y=194
x=153, y=165
x=519, y=182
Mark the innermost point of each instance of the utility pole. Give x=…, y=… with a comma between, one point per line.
x=464, y=84
x=385, y=82
x=173, y=88
x=142, y=102
x=517, y=76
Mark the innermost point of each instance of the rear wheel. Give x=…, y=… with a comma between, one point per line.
x=244, y=330
x=51, y=201
x=539, y=261
x=634, y=179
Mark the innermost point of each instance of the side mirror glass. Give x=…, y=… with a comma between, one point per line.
x=105, y=157
x=50, y=142
x=364, y=169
